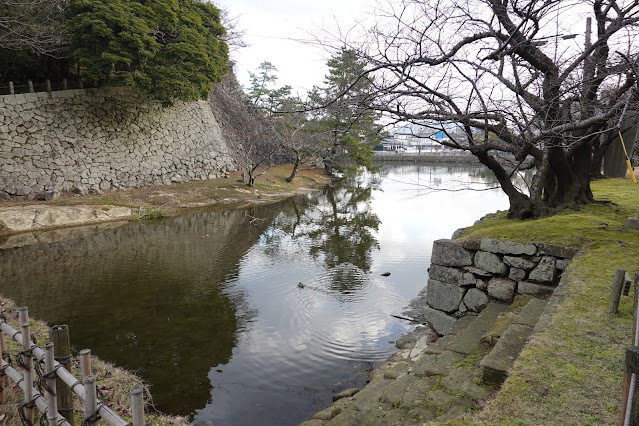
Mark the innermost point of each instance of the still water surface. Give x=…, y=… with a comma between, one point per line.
x=208, y=308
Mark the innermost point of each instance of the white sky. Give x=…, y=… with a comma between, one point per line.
x=268, y=25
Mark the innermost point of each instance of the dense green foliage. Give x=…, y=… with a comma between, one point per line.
x=167, y=48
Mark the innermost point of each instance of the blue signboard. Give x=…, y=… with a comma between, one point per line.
x=439, y=135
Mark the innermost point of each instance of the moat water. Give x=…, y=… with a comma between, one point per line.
x=208, y=307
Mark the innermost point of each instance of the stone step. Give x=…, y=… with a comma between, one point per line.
x=432, y=381
x=467, y=340
x=491, y=337
x=494, y=367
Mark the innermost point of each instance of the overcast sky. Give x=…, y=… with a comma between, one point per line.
x=270, y=25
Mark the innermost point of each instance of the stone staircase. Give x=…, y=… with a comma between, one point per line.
x=442, y=380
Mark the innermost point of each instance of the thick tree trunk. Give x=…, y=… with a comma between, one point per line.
x=328, y=168
x=558, y=184
x=295, y=166
x=520, y=204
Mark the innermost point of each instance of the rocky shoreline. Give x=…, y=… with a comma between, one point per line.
x=487, y=298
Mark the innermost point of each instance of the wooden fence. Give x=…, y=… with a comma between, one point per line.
x=629, y=415
x=47, y=382
x=29, y=86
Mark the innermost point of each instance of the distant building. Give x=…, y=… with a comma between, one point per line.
x=414, y=138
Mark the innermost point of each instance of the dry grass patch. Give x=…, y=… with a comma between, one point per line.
x=113, y=383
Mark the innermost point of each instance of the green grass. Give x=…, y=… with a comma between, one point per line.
x=572, y=372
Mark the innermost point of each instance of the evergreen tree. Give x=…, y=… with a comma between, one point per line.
x=169, y=49
x=263, y=93
x=350, y=127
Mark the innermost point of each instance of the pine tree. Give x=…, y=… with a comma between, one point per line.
x=169, y=49
x=351, y=129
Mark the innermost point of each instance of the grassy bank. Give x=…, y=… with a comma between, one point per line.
x=171, y=199
x=572, y=372
x=113, y=383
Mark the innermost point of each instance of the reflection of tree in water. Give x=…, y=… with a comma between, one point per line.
x=162, y=295
x=337, y=225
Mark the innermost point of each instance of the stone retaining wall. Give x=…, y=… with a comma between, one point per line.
x=90, y=140
x=465, y=276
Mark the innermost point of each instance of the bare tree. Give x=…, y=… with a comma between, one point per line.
x=35, y=25
x=254, y=145
x=516, y=79
x=234, y=37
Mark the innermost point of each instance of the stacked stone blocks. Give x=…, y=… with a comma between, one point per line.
x=91, y=140
x=465, y=276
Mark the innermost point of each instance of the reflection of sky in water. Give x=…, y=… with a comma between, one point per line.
x=307, y=343
x=206, y=306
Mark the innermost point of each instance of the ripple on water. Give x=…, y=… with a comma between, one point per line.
x=345, y=313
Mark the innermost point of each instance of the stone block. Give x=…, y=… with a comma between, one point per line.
x=502, y=289
x=477, y=271
x=450, y=253
x=450, y=275
x=345, y=394
x=471, y=243
x=418, y=391
x=499, y=327
x=517, y=274
x=494, y=367
x=557, y=251
x=475, y=300
x=481, y=285
x=536, y=290
x=440, y=322
x=490, y=262
x=507, y=247
x=442, y=296
x=546, y=270
x=530, y=314
x=518, y=262
x=442, y=364
x=632, y=223
x=30, y=97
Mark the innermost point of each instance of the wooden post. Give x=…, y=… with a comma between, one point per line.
x=59, y=335
x=81, y=84
x=635, y=318
x=90, y=401
x=4, y=380
x=65, y=84
x=85, y=363
x=137, y=405
x=632, y=408
x=12, y=90
x=31, y=86
x=52, y=402
x=48, y=85
x=615, y=294
x=23, y=316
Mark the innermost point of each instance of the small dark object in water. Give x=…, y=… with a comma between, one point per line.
x=300, y=285
x=385, y=274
